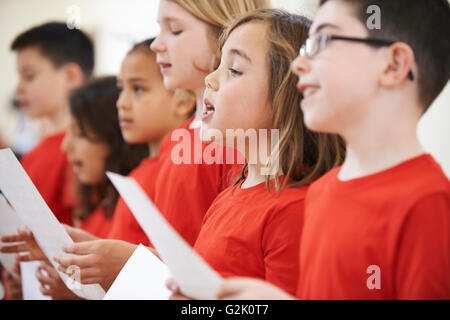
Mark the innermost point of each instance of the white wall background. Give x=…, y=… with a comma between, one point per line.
x=115, y=25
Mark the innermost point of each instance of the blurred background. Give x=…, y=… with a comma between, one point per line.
x=114, y=26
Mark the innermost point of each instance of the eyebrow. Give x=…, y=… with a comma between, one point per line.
x=136, y=79
x=241, y=54
x=168, y=19
x=325, y=25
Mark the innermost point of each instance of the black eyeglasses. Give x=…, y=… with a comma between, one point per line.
x=318, y=41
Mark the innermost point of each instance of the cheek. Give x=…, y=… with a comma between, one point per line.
x=38, y=93
x=244, y=106
x=96, y=169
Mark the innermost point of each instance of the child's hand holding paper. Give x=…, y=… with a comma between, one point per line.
x=99, y=261
x=27, y=244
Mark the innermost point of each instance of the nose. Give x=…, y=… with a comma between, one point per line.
x=19, y=88
x=123, y=101
x=211, y=81
x=158, y=45
x=301, y=65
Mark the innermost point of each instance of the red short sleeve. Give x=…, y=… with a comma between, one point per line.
x=423, y=267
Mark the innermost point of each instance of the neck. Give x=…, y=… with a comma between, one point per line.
x=257, y=166
x=381, y=141
x=199, y=110
x=254, y=176
x=56, y=123
x=153, y=148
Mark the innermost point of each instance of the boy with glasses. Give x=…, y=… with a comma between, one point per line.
x=379, y=226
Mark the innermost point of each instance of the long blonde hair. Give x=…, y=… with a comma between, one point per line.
x=303, y=155
x=219, y=13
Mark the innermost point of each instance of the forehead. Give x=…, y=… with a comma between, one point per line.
x=249, y=37
x=340, y=14
x=141, y=64
x=171, y=11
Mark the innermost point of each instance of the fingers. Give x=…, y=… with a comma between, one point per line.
x=79, y=261
x=83, y=276
x=231, y=287
x=82, y=248
x=172, y=285
x=46, y=291
x=25, y=258
x=13, y=238
x=15, y=248
x=51, y=271
x=43, y=278
x=176, y=292
x=178, y=297
x=25, y=231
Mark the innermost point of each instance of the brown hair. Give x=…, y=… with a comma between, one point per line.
x=303, y=155
x=94, y=108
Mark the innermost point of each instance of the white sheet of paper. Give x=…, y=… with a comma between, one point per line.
x=9, y=223
x=194, y=276
x=35, y=213
x=143, y=277
x=30, y=284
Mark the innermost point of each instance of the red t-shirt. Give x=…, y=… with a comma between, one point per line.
x=51, y=173
x=184, y=192
x=254, y=233
x=383, y=236
x=97, y=224
x=125, y=226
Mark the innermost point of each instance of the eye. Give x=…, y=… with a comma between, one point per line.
x=138, y=89
x=176, y=33
x=234, y=72
x=29, y=76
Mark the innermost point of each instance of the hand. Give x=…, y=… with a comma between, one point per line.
x=28, y=244
x=14, y=287
x=52, y=284
x=79, y=235
x=251, y=289
x=99, y=261
x=176, y=292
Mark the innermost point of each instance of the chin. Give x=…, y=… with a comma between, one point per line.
x=313, y=124
x=170, y=83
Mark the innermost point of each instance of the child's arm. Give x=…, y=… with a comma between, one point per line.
x=423, y=259
x=238, y=289
x=251, y=289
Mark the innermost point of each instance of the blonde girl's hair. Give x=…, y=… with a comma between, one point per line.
x=219, y=13
x=303, y=155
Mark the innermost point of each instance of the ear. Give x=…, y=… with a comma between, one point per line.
x=74, y=75
x=184, y=103
x=400, y=61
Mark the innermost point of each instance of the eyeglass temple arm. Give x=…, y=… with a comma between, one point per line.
x=372, y=41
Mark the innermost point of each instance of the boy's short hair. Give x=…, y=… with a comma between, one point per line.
x=59, y=44
x=425, y=26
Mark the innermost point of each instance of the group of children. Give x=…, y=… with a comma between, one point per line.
x=368, y=218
